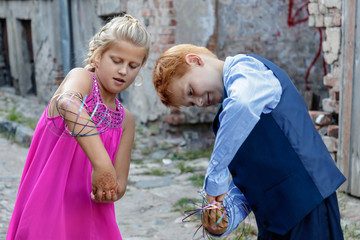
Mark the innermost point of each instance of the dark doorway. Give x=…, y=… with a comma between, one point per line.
x=28, y=82
x=5, y=78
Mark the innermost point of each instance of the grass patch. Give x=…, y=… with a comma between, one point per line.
x=156, y=172
x=185, y=169
x=147, y=151
x=351, y=231
x=15, y=116
x=190, y=154
x=244, y=232
x=197, y=180
x=8, y=136
x=183, y=205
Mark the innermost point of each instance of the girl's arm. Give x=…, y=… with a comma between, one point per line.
x=123, y=156
x=103, y=178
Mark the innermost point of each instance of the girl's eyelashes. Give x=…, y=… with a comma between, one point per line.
x=134, y=66
x=116, y=61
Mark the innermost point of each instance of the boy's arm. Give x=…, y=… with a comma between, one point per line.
x=237, y=208
x=252, y=89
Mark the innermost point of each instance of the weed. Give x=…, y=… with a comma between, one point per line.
x=185, y=169
x=197, y=180
x=8, y=136
x=182, y=205
x=190, y=154
x=15, y=116
x=156, y=172
x=351, y=231
x=147, y=151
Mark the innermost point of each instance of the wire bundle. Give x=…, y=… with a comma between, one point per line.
x=203, y=205
x=80, y=119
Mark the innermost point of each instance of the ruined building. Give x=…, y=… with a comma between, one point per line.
x=313, y=41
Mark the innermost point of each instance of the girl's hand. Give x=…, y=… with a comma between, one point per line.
x=115, y=195
x=211, y=216
x=103, y=182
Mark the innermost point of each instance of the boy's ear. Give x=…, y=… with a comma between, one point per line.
x=192, y=58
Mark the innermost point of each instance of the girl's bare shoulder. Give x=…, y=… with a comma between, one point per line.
x=78, y=80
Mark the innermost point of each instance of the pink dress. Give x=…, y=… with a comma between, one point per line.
x=53, y=200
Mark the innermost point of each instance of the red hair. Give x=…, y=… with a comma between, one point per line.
x=170, y=65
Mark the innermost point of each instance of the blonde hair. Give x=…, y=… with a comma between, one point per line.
x=125, y=28
x=172, y=64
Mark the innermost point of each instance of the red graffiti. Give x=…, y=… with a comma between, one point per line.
x=294, y=19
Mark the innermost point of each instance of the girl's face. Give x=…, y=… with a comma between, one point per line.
x=201, y=86
x=117, y=68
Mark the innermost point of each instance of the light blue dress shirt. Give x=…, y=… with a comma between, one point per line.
x=252, y=89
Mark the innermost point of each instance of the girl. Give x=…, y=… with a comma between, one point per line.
x=69, y=184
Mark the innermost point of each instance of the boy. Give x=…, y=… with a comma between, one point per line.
x=264, y=137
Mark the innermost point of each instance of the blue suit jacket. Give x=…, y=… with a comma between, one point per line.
x=283, y=167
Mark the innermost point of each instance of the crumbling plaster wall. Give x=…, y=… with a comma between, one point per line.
x=227, y=27
x=258, y=27
x=44, y=16
x=261, y=28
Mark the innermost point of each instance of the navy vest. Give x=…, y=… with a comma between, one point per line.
x=283, y=167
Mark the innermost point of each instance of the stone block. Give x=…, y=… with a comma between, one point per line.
x=337, y=20
x=330, y=105
x=316, y=114
x=24, y=135
x=175, y=119
x=331, y=143
x=311, y=21
x=323, y=120
x=313, y=8
x=333, y=131
x=332, y=79
x=333, y=37
x=332, y=20
x=330, y=57
x=328, y=21
x=333, y=3
x=319, y=21
x=334, y=94
x=323, y=9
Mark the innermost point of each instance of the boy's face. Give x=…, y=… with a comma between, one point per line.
x=201, y=86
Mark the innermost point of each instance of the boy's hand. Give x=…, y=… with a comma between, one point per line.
x=103, y=182
x=211, y=216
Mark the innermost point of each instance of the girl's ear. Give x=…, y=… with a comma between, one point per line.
x=97, y=59
x=192, y=58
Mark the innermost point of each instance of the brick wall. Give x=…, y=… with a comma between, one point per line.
x=163, y=20
x=160, y=19
x=327, y=15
